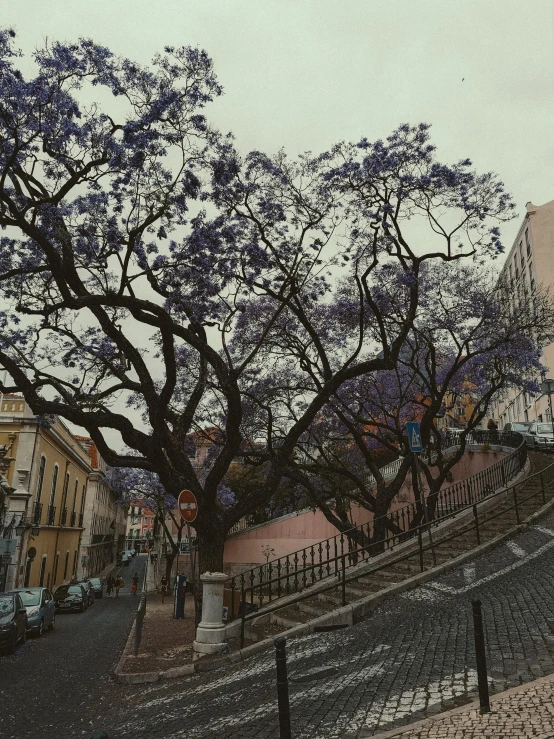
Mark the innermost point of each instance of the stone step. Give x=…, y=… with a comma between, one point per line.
x=310, y=609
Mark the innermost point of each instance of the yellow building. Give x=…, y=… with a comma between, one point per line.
x=48, y=471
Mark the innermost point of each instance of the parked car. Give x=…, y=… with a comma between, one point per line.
x=71, y=598
x=125, y=558
x=519, y=427
x=89, y=590
x=13, y=621
x=40, y=606
x=540, y=436
x=97, y=586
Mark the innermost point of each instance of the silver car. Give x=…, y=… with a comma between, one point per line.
x=40, y=607
x=540, y=436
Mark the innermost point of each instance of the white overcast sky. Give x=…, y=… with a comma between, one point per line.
x=303, y=74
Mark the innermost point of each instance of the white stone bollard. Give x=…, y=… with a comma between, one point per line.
x=210, y=633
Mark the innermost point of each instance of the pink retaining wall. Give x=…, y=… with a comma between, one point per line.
x=291, y=533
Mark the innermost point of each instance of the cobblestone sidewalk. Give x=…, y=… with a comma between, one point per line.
x=166, y=642
x=519, y=713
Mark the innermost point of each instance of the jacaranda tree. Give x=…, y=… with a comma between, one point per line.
x=148, y=271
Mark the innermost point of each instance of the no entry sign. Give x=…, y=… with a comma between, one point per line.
x=188, y=507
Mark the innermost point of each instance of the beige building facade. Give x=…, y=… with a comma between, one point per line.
x=529, y=265
x=104, y=520
x=47, y=471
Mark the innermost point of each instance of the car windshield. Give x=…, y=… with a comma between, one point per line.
x=74, y=589
x=6, y=606
x=544, y=428
x=520, y=426
x=95, y=581
x=30, y=597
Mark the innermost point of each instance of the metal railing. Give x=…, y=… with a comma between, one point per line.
x=472, y=523
x=51, y=515
x=299, y=570
x=37, y=513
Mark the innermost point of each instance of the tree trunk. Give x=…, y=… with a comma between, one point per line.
x=210, y=543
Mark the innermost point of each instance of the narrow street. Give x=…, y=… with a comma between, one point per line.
x=413, y=658
x=57, y=686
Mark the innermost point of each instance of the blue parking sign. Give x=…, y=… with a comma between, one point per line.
x=414, y=436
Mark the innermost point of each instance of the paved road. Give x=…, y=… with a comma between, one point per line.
x=59, y=685
x=414, y=657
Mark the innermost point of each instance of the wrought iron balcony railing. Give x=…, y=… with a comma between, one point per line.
x=51, y=515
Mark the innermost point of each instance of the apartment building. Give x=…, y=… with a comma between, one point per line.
x=104, y=520
x=46, y=469
x=529, y=264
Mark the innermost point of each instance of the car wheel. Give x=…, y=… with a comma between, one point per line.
x=40, y=630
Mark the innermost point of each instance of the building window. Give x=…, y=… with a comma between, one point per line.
x=42, y=569
x=75, y=495
x=56, y=563
x=54, y=484
x=65, y=566
x=74, y=564
x=527, y=242
x=531, y=276
x=40, y=477
x=521, y=253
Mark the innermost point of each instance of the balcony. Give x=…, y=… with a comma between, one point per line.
x=73, y=519
x=37, y=513
x=51, y=515
x=63, y=517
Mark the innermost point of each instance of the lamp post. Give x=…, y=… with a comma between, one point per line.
x=547, y=388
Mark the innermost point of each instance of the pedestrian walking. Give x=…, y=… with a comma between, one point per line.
x=118, y=585
x=163, y=587
x=110, y=585
x=492, y=428
x=151, y=557
x=134, y=586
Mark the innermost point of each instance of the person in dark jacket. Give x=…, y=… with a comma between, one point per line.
x=163, y=587
x=110, y=585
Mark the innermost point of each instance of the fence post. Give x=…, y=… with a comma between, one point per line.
x=542, y=489
x=420, y=541
x=476, y=519
x=503, y=471
x=242, y=613
x=141, y=610
x=481, y=658
x=515, y=504
x=343, y=582
x=282, y=688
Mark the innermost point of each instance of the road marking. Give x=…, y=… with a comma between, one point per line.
x=544, y=530
x=469, y=573
x=442, y=586
x=516, y=549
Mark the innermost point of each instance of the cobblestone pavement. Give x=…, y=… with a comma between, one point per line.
x=58, y=685
x=413, y=658
x=520, y=713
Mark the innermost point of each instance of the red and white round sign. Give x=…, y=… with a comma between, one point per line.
x=188, y=507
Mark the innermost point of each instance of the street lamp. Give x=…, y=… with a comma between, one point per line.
x=547, y=388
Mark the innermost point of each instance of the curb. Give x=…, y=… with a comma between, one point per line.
x=350, y=614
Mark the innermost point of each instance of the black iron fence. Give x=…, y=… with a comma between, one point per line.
x=51, y=515
x=516, y=497
x=299, y=570
x=37, y=513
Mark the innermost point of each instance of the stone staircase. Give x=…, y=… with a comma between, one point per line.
x=497, y=520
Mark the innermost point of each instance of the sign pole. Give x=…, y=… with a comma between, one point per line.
x=192, y=558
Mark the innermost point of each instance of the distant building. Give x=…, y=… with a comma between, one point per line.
x=140, y=526
x=47, y=470
x=104, y=520
x=529, y=264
